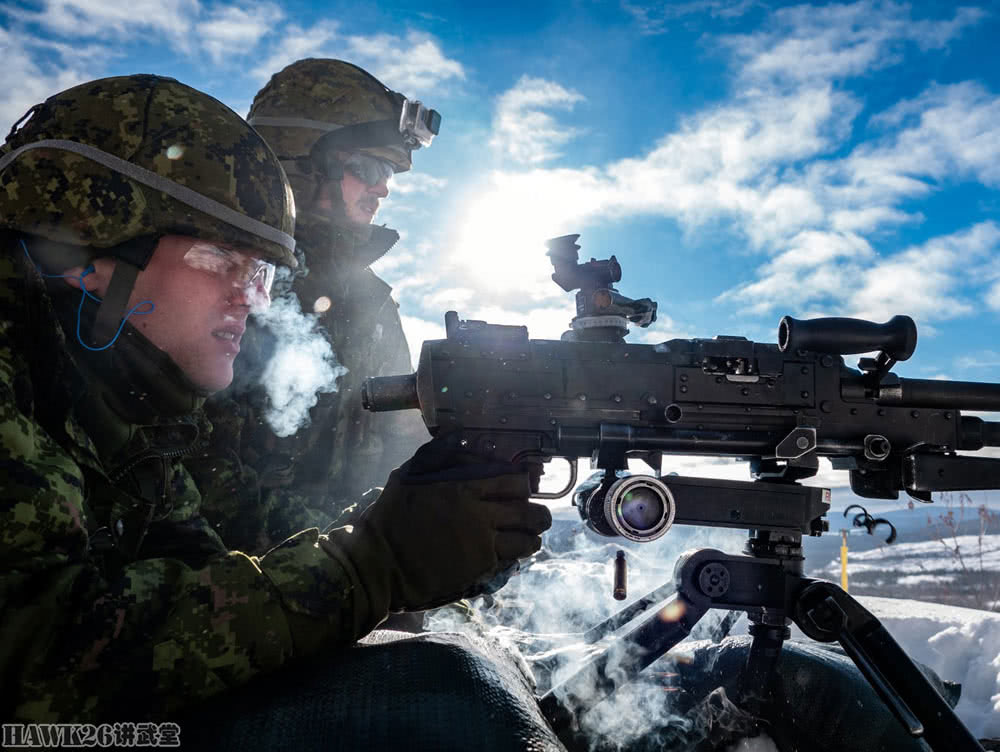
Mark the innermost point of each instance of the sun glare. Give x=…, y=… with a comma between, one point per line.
x=500, y=242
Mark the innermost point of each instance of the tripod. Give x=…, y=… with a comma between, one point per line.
x=769, y=586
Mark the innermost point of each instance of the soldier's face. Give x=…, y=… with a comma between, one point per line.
x=200, y=313
x=360, y=199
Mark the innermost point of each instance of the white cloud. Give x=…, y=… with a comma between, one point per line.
x=522, y=131
x=770, y=164
x=99, y=18
x=661, y=330
x=297, y=43
x=985, y=359
x=925, y=281
x=417, y=330
x=993, y=297
x=807, y=42
x=413, y=64
x=36, y=77
x=232, y=31
x=949, y=132
x=406, y=183
x=654, y=18
x=450, y=299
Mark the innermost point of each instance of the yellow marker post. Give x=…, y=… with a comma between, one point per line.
x=843, y=559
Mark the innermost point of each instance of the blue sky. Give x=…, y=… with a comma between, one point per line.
x=744, y=160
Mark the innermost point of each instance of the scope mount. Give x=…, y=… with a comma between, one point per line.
x=602, y=313
x=875, y=369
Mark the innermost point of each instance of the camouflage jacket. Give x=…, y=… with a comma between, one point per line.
x=259, y=487
x=117, y=600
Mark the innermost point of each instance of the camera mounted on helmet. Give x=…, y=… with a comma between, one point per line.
x=415, y=127
x=417, y=124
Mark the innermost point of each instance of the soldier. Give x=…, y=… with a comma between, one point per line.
x=141, y=222
x=341, y=134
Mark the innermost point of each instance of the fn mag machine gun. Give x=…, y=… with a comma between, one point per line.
x=779, y=406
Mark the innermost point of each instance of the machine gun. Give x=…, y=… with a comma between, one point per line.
x=780, y=406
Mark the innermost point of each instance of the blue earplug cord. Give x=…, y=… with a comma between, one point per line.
x=87, y=294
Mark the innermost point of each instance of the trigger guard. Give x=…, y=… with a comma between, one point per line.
x=569, y=485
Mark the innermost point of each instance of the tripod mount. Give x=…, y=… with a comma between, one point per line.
x=767, y=583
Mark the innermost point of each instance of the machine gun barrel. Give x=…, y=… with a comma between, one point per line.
x=932, y=393
x=975, y=433
x=384, y=393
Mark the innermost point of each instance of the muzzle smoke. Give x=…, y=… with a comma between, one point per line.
x=302, y=367
x=567, y=589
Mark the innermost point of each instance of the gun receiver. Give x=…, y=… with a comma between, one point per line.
x=781, y=406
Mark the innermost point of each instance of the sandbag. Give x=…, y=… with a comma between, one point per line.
x=439, y=692
x=822, y=703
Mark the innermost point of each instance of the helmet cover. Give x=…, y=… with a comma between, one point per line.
x=142, y=155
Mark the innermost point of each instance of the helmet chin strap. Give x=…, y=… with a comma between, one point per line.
x=130, y=257
x=112, y=308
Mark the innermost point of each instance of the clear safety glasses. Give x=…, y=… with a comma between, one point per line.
x=369, y=170
x=244, y=272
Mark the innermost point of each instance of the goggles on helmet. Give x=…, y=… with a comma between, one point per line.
x=368, y=169
x=244, y=272
x=417, y=124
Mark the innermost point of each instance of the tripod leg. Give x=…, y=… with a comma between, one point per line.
x=608, y=670
x=826, y=613
x=765, y=651
x=618, y=620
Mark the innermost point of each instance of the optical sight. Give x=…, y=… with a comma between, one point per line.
x=640, y=508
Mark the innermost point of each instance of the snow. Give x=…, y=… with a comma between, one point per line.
x=924, y=579
x=960, y=644
x=932, y=555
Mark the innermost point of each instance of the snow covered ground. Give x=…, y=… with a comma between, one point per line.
x=960, y=644
x=926, y=563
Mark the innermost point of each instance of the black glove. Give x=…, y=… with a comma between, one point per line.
x=445, y=525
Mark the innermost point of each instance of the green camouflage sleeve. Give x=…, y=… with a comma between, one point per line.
x=247, y=516
x=78, y=644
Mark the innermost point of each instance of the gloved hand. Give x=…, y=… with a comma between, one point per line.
x=445, y=524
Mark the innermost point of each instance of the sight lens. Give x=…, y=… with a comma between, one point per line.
x=639, y=507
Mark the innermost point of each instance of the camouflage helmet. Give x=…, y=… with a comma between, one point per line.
x=320, y=99
x=131, y=157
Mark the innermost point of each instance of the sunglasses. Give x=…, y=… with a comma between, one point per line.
x=369, y=170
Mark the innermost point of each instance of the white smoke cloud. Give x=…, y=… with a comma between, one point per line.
x=303, y=366
x=565, y=591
